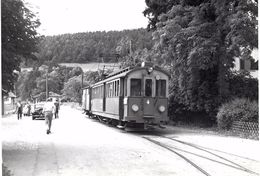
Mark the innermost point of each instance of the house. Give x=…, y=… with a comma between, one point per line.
x=54, y=96
x=250, y=65
x=10, y=99
x=42, y=96
x=39, y=97
x=9, y=103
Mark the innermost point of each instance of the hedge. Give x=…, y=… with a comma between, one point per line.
x=239, y=109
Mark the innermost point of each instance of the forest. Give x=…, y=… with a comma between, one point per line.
x=88, y=47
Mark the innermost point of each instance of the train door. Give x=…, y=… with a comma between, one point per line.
x=86, y=99
x=104, y=97
x=148, y=102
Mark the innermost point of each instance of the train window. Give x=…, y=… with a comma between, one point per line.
x=110, y=89
x=107, y=90
x=161, y=88
x=114, y=92
x=148, y=87
x=125, y=88
x=101, y=91
x=117, y=88
x=135, y=87
x=98, y=92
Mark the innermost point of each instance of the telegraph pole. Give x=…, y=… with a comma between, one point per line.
x=130, y=52
x=47, y=85
x=82, y=77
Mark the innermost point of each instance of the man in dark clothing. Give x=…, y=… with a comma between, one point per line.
x=57, y=106
x=19, y=109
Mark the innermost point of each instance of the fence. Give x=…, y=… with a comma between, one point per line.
x=249, y=129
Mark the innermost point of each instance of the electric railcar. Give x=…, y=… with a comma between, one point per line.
x=133, y=97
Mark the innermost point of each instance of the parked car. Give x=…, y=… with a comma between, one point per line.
x=37, y=111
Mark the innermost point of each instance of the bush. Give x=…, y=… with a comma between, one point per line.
x=242, y=85
x=6, y=171
x=239, y=109
x=180, y=114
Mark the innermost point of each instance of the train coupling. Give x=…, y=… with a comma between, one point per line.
x=152, y=127
x=162, y=127
x=121, y=126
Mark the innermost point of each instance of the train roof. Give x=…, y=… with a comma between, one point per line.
x=126, y=71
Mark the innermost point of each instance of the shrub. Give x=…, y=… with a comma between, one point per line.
x=242, y=85
x=6, y=171
x=239, y=109
x=179, y=113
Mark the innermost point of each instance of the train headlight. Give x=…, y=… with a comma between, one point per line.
x=135, y=108
x=150, y=69
x=161, y=108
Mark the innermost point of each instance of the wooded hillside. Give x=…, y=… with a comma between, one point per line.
x=87, y=47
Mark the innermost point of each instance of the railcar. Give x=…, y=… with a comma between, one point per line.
x=132, y=97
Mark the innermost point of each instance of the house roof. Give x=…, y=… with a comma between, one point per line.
x=53, y=94
x=38, y=95
x=12, y=95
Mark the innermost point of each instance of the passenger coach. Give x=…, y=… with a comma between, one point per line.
x=133, y=97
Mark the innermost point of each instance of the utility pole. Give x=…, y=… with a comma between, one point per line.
x=3, y=106
x=47, y=94
x=131, y=52
x=130, y=48
x=82, y=76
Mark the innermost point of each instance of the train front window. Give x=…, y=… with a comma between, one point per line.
x=161, y=88
x=135, y=87
x=148, y=87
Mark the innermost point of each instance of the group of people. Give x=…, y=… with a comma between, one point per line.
x=23, y=109
x=50, y=108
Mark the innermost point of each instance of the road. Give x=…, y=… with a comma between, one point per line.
x=83, y=146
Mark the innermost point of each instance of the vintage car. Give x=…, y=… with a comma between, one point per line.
x=37, y=111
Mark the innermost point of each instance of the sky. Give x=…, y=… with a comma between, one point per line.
x=72, y=16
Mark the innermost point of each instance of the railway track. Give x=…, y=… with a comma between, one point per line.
x=191, y=152
x=177, y=153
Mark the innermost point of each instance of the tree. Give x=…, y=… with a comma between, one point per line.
x=199, y=40
x=154, y=9
x=76, y=71
x=26, y=84
x=91, y=77
x=92, y=46
x=72, y=89
x=19, y=39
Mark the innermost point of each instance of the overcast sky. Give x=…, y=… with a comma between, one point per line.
x=71, y=16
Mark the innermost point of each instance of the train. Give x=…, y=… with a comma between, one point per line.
x=134, y=97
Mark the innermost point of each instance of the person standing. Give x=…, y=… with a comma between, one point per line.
x=49, y=110
x=57, y=107
x=29, y=109
x=19, y=110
